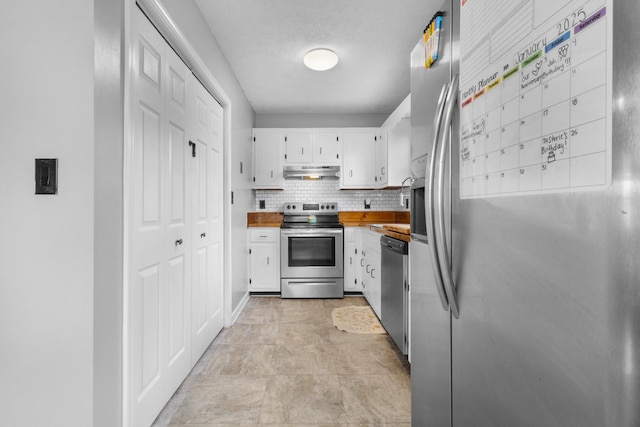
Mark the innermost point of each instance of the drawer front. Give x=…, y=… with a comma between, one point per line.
x=264, y=234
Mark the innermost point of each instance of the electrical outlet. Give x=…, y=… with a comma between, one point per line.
x=262, y=204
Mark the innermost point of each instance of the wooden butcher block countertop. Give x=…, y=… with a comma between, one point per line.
x=264, y=219
x=397, y=231
x=347, y=218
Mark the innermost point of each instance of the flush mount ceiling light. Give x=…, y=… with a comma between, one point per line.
x=320, y=59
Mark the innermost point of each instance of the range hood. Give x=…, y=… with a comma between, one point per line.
x=311, y=172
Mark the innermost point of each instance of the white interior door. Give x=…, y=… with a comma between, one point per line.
x=206, y=136
x=215, y=307
x=178, y=213
x=148, y=270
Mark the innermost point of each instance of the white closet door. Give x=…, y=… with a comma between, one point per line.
x=175, y=289
x=207, y=177
x=148, y=269
x=216, y=221
x=178, y=213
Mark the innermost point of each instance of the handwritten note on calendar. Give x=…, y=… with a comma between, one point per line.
x=535, y=97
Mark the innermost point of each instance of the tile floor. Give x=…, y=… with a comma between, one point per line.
x=284, y=363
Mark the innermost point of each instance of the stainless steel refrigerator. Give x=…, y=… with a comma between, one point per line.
x=525, y=251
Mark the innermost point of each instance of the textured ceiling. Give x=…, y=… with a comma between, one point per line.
x=264, y=42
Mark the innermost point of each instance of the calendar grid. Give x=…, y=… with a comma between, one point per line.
x=542, y=124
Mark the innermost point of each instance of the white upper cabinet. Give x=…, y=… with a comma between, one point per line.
x=359, y=158
x=298, y=147
x=393, y=149
x=267, y=158
x=319, y=147
x=326, y=147
x=381, y=176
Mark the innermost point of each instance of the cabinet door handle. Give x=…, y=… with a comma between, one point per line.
x=382, y=170
x=267, y=260
x=302, y=150
x=320, y=150
x=372, y=270
x=367, y=268
x=351, y=173
x=362, y=262
x=271, y=174
x=350, y=260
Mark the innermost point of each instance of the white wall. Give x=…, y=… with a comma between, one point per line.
x=46, y=244
x=188, y=18
x=319, y=120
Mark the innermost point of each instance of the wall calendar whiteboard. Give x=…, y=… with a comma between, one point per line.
x=535, y=96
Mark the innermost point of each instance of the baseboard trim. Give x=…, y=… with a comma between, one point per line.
x=239, y=308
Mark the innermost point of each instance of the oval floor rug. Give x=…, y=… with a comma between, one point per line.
x=357, y=320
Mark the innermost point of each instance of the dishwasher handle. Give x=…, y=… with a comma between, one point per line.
x=395, y=245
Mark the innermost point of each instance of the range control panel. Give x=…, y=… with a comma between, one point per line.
x=300, y=208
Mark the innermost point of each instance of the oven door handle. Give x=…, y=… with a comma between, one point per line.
x=307, y=231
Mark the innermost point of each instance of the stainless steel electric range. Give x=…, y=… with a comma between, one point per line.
x=311, y=251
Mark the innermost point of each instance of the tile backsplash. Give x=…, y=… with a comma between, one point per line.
x=328, y=191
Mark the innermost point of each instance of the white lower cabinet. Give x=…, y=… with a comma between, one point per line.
x=371, y=283
x=264, y=259
x=352, y=259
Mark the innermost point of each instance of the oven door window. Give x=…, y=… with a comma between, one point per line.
x=312, y=251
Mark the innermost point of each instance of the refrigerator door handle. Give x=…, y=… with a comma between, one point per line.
x=430, y=199
x=441, y=240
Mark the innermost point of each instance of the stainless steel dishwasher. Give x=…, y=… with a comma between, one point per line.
x=394, y=289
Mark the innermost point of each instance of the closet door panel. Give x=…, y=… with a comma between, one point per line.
x=178, y=244
x=216, y=219
x=147, y=285
x=201, y=336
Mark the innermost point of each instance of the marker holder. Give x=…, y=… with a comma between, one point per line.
x=431, y=37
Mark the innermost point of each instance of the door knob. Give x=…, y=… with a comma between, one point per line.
x=178, y=242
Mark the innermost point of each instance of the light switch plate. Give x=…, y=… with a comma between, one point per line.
x=46, y=176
